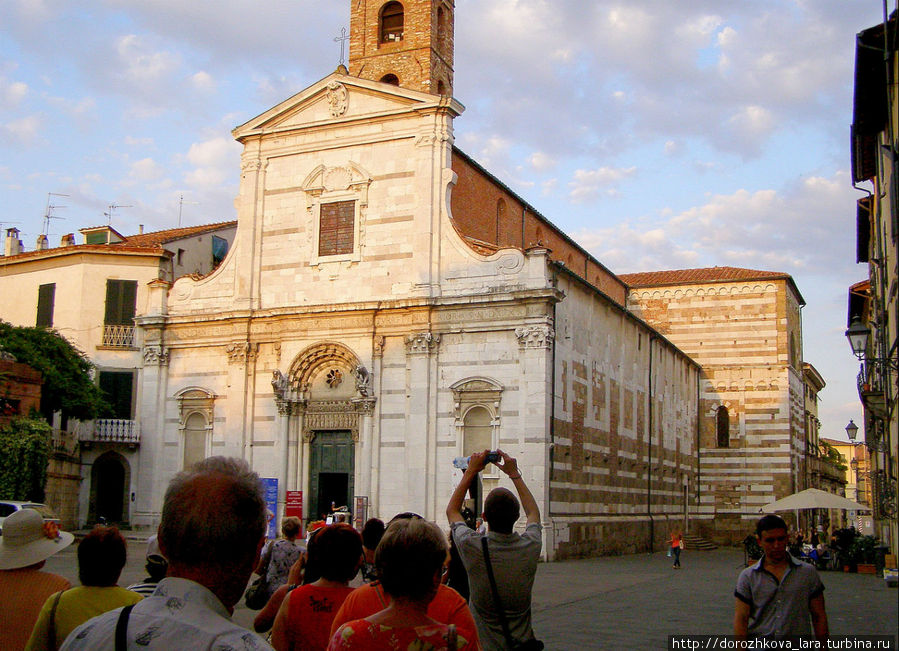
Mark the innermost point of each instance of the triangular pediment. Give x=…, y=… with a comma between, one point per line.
x=339, y=98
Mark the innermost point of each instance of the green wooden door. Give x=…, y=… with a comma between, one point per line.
x=331, y=469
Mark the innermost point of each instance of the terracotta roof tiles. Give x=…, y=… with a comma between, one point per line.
x=706, y=275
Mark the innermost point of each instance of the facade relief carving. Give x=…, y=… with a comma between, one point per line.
x=242, y=352
x=422, y=343
x=535, y=336
x=155, y=356
x=378, y=345
x=338, y=99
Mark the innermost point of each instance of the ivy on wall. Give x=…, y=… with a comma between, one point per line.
x=24, y=455
x=67, y=384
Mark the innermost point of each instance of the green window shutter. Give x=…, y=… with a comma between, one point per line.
x=121, y=296
x=46, y=295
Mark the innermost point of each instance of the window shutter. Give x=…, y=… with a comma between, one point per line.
x=118, y=388
x=121, y=296
x=336, y=228
x=46, y=295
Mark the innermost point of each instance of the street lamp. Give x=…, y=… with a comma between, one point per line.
x=858, y=334
x=852, y=430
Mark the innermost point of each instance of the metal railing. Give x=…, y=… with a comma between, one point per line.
x=112, y=430
x=118, y=336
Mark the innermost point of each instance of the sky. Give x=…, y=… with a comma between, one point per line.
x=658, y=134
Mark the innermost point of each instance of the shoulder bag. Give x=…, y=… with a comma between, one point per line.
x=528, y=645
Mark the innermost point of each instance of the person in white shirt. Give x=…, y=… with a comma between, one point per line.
x=212, y=530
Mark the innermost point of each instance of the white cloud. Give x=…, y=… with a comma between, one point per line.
x=24, y=131
x=588, y=183
x=141, y=64
x=203, y=81
x=12, y=93
x=541, y=162
x=145, y=170
x=215, y=161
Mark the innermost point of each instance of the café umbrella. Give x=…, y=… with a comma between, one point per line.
x=813, y=498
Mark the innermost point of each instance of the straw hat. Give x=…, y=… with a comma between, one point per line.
x=24, y=541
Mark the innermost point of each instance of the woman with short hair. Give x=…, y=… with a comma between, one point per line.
x=101, y=557
x=280, y=555
x=410, y=560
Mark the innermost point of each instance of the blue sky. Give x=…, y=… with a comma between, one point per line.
x=660, y=135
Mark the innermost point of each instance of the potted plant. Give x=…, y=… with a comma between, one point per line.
x=863, y=552
x=844, y=548
x=751, y=550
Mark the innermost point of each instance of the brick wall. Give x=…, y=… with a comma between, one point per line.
x=422, y=60
x=485, y=210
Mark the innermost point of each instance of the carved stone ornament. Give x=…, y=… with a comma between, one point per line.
x=510, y=263
x=378, y=345
x=285, y=407
x=421, y=343
x=338, y=99
x=156, y=356
x=363, y=381
x=535, y=336
x=332, y=415
x=242, y=352
x=337, y=178
x=280, y=385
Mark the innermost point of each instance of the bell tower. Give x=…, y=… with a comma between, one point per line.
x=408, y=43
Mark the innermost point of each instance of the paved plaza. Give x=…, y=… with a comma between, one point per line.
x=637, y=601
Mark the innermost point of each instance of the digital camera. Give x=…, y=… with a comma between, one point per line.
x=493, y=457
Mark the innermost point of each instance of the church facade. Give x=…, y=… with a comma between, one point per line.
x=388, y=305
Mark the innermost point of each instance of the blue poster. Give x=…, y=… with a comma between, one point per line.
x=271, y=501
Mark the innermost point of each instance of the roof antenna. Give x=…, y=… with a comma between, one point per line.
x=112, y=208
x=48, y=213
x=181, y=203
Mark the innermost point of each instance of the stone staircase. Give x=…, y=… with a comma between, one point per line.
x=697, y=543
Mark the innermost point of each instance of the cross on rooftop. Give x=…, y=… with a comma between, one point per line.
x=343, y=38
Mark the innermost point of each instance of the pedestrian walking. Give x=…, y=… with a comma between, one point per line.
x=676, y=544
x=779, y=597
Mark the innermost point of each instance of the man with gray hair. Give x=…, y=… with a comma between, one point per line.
x=211, y=532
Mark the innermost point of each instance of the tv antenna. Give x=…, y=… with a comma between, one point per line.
x=112, y=208
x=48, y=213
x=181, y=203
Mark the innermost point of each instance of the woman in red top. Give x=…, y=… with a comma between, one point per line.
x=676, y=545
x=304, y=620
x=409, y=560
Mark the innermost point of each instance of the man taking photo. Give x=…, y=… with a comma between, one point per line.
x=501, y=608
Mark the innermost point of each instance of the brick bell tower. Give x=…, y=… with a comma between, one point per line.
x=408, y=43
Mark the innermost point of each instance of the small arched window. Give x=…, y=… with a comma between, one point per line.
x=478, y=431
x=722, y=427
x=194, y=439
x=391, y=22
x=390, y=79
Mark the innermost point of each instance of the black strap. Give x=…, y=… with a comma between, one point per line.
x=51, y=632
x=499, y=603
x=121, y=629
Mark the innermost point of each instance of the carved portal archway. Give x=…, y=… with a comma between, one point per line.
x=327, y=389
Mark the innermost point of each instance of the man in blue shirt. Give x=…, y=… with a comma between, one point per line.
x=778, y=597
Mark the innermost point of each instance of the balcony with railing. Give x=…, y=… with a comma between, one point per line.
x=111, y=430
x=118, y=336
x=870, y=381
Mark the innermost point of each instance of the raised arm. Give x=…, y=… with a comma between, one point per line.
x=454, y=507
x=528, y=503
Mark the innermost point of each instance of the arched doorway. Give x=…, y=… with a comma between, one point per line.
x=331, y=471
x=110, y=479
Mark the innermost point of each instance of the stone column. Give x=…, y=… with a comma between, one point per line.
x=241, y=390
x=150, y=485
x=374, y=454
x=420, y=434
x=535, y=343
